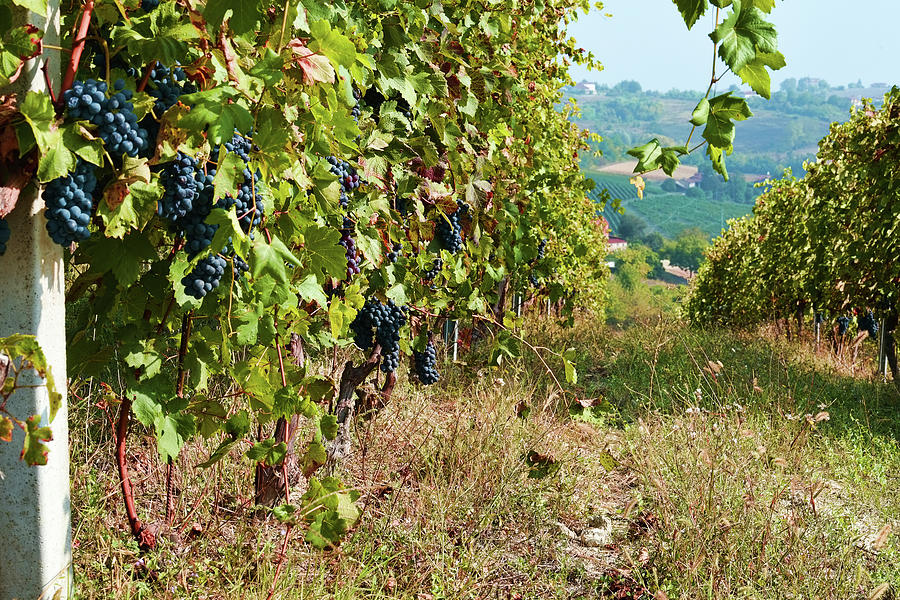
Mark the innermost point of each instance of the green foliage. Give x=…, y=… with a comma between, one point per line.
x=20, y=354
x=824, y=243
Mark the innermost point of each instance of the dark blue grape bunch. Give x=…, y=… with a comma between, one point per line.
x=240, y=266
x=542, y=249
x=350, y=247
x=357, y=111
x=534, y=281
x=148, y=5
x=5, y=233
x=843, y=324
x=400, y=204
x=240, y=145
x=167, y=85
x=248, y=204
x=114, y=117
x=205, y=277
x=381, y=323
x=179, y=181
x=426, y=365
x=449, y=230
x=347, y=176
x=435, y=269
x=394, y=254
x=69, y=201
x=868, y=324
x=819, y=318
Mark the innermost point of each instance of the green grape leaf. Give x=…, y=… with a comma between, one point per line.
x=701, y=113
x=36, y=6
x=691, y=10
x=314, y=458
x=243, y=17
x=312, y=291
x=34, y=452
x=268, y=452
x=332, y=43
x=328, y=426
x=723, y=110
x=757, y=76
x=321, y=251
x=742, y=35
x=270, y=259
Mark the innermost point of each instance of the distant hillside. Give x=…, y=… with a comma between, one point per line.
x=784, y=132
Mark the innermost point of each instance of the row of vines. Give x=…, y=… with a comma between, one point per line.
x=242, y=188
x=823, y=248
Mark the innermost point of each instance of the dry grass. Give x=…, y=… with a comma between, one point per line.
x=743, y=497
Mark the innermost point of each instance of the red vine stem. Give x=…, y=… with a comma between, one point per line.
x=145, y=538
x=281, y=557
x=146, y=78
x=77, y=47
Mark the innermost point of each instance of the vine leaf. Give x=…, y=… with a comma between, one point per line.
x=332, y=43
x=268, y=452
x=757, y=77
x=652, y=156
x=701, y=113
x=742, y=35
x=34, y=452
x=322, y=252
x=270, y=259
x=35, y=6
x=244, y=14
x=723, y=111
x=316, y=68
x=6, y=429
x=691, y=10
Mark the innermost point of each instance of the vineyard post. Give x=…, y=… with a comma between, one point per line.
x=455, y=340
x=882, y=351
x=35, y=527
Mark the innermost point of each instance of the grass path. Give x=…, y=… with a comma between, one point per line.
x=683, y=465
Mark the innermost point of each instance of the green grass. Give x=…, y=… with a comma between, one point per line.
x=719, y=485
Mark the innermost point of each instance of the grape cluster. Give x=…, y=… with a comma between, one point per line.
x=167, y=86
x=240, y=266
x=426, y=365
x=449, y=230
x=843, y=324
x=69, y=204
x=533, y=280
x=248, y=204
x=395, y=252
x=868, y=324
x=347, y=176
x=205, y=277
x=819, y=318
x=114, y=117
x=240, y=145
x=435, y=269
x=542, y=249
x=350, y=246
x=380, y=323
x=5, y=232
x=180, y=185
x=148, y=5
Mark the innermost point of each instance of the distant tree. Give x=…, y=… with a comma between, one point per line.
x=634, y=264
x=669, y=185
x=627, y=87
x=789, y=85
x=654, y=240
x=631, y=227
x=686, y=250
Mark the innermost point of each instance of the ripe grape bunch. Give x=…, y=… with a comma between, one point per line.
x=347, y=176
x=350, y=246
x=381, y=323
x=205, y=277
x=5, y=232
x=114, y=117
x=542, y=249
x=435, y=269
x=69, y=203
x=395, y=253
x=843, y=324
x=425, y=365
x=449, y=230
x=167, y=86
x=868, y=324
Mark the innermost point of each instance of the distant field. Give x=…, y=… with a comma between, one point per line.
x=667, y=213
x=627, y=168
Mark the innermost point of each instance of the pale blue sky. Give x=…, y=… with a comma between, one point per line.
x=835, y=40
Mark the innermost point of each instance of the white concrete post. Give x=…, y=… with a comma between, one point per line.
x=455, y=340
x=35, y=528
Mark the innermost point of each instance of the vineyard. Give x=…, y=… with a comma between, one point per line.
x=289, y=284
x=821, y=251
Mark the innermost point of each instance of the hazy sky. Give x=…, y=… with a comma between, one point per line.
x=646, y=40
